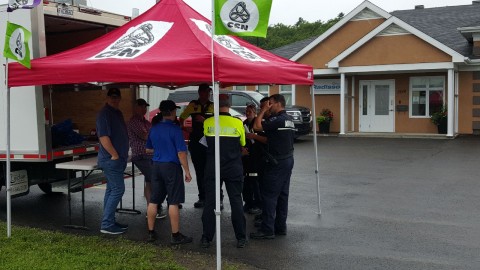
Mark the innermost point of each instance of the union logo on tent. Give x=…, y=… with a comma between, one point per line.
x=229, y=43
x=135, y=41
x=138, y=38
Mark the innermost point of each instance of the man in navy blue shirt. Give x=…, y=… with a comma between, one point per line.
x=112, y=158
x=279, y=129
x=166, y=142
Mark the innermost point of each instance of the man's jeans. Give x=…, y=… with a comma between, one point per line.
x=113, y=170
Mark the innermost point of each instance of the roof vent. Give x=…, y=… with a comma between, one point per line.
x=419, y=7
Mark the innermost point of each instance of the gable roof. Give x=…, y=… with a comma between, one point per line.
x=442, y=24
x=351, y=15
x=456, y=57
x=439, y=23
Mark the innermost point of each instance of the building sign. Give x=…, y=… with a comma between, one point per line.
x=327, y=86
x=65, y=11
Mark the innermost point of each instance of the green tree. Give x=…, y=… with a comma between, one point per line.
x=280, y=34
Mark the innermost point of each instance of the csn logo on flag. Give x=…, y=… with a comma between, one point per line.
x=242, y=17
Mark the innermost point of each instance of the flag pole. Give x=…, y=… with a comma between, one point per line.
x=216, y=109
x=8, y=168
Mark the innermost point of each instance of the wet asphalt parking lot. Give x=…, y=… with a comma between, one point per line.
x=386, y=204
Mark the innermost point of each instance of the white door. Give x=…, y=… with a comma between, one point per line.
x=377, y=106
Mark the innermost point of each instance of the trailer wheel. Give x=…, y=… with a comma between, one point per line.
x=46, y=187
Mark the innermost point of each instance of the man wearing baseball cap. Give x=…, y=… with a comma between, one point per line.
x=138, y=128
x=166, y=142
x=112, y=158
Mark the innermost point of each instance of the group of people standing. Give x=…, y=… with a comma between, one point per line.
x=256, y=160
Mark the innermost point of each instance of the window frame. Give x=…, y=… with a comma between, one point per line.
x=290, y=91
x=267, y=94
x=427, y=94
x=243, y=87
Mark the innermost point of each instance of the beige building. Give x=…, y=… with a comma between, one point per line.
x=388, y=72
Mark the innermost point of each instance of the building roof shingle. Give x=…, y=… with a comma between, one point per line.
x=442, y=24
x=289, y=50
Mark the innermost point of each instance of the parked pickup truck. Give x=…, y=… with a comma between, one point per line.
x=302, y=116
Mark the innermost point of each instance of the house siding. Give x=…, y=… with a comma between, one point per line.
x=333, y=45
x=401, y=49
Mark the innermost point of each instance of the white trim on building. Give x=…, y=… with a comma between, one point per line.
x=351, y=15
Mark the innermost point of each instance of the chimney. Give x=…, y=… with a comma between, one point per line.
x=135, y=12
x=476, y=44
x=419, y=7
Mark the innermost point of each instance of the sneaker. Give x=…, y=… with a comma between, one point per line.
x=114, y=229
x=180, y=239
x=152, y=236
x=199, y=204
x=261, y=235
x=161, y=214
x=204, y=243
x=241, y=243
x=121, y=226
x=255, y=211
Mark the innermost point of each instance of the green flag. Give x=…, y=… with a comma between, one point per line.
x=242, y=17
x=16, y=44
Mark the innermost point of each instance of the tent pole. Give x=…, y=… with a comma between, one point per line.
x=216, y=109
x=315, y=146
x=8, y=168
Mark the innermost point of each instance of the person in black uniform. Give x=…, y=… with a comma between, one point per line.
x=252, y=166
x=199, y=110
x=232, y=140
x=279, y=129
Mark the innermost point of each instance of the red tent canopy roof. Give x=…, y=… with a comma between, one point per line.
x=168, y=45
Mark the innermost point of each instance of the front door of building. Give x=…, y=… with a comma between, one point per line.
x=377, y=106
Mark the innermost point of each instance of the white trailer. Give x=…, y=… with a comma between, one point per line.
x=56, y=27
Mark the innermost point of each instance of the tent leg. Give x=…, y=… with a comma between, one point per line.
x=315, y=145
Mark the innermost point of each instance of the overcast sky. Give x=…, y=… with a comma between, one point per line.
x=283, y=11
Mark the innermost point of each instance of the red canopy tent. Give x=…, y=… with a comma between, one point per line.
x=168, y=45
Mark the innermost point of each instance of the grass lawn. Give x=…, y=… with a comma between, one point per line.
x=30, y=248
